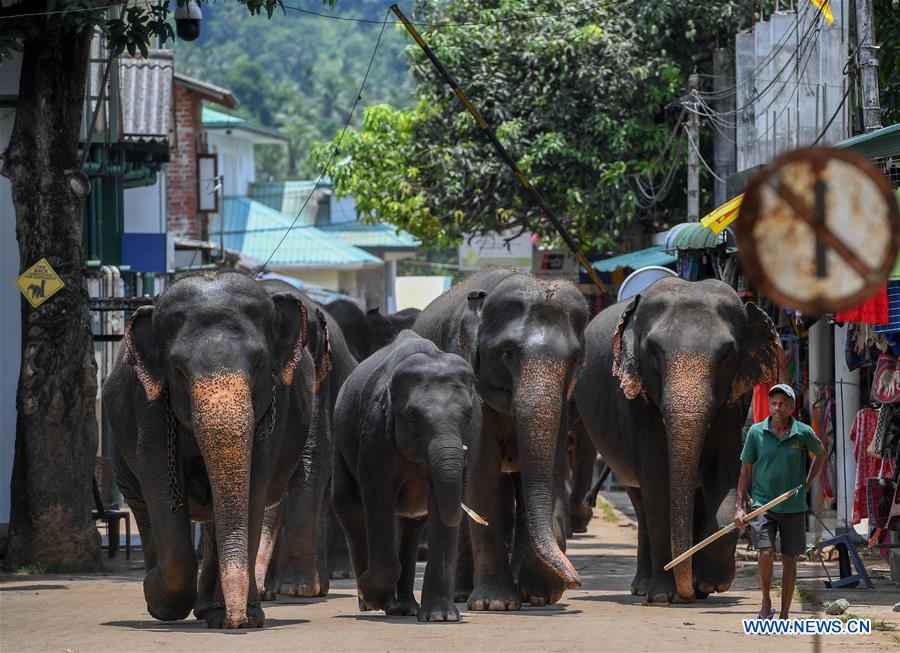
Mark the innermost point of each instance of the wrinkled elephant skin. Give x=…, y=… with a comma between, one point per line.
x=660, y=396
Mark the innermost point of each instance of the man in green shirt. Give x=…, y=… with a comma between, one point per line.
x=774, y=460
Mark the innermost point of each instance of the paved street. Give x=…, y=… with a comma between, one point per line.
x=107, y=613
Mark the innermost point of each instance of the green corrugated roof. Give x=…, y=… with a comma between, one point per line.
x=254, y=229
x=213, y=119
x=876, y=144
x=655, y=255
x=696, y=236
x=372, y=236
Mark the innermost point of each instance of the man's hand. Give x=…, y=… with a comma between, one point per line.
x=739, y=514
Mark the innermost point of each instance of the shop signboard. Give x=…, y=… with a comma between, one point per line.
x=505, y=248
x=819, y=230
x=553, y=263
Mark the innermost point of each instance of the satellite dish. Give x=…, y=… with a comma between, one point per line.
x=641, y=279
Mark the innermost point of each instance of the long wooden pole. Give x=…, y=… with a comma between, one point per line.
x=492, y=137
x=727, y=529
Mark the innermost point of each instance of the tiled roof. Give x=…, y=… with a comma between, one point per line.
x=255, y=229
x=213, y=119
x=288, y=197
x=145, y=86
x=381, y=235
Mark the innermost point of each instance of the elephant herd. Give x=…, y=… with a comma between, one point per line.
x=315, y=442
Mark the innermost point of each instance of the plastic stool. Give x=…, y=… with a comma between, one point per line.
x=846, y=552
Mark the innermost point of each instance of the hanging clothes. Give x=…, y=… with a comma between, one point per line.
x=872, y=311
x=867, y=466
x=761, y=401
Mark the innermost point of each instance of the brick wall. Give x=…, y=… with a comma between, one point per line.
x=181, y=178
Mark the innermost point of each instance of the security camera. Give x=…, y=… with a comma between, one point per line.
x=187, y=20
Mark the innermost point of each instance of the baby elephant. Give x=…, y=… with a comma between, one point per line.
x=406, y=420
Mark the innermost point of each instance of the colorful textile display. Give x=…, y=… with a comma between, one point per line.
x=886, y=385
x=866, y=466
x=872, y=311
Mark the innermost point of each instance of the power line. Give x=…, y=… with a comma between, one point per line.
x=696, y=149
x=60, y=11
x=337, y=146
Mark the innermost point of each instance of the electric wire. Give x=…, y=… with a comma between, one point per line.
x=696, y=149
x=61, y=11
x=337, y=147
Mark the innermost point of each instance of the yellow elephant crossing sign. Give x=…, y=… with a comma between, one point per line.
x=39, y=283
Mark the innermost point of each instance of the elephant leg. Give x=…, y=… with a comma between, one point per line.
x=348, y=509
x=208, y=583
x=583, y=457
x=655, y=483
x=641, y=581
x=170, y=586
x=271, y=526
x=465, y=566
x=537, y=584
x=437, y=586
x=303, y=551
x=494, y=589
x=405, y=604
x=520, y=544
x=377, y=585
x=339, y=566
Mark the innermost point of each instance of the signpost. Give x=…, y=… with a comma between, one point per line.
x=819, y=230
x=39, y=283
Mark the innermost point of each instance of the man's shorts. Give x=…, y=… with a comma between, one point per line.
x=791, y=526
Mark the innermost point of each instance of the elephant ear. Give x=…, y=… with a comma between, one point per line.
x=322, y=352
x=467, y=338
x=142, y=352
x=760, y=356
x=292, y=332
x=625, y=366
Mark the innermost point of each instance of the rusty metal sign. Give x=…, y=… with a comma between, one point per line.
x=819, y=230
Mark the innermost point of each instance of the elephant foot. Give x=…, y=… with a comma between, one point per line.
x=307, y=589
x=494, y=598
x=215, y=618
x=407, y=607
x=267, y=595
x=640, y=584
x=376, y=590
x=580, y=517
x=341, y=573
x=438, y=610
x=538, y=585
x=663, y=592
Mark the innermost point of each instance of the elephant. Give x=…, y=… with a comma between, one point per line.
x=367, y=332
x=581, y=461
x=385, y=328
x=660, y=398
x=304, y=543
x=524, y=337
x=209, y=404
x=406, y=421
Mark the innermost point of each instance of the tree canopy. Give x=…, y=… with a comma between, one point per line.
x=577, y=93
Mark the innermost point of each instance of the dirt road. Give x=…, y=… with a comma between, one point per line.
x=107, y=613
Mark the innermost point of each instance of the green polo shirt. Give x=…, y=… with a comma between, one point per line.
x=779, y=465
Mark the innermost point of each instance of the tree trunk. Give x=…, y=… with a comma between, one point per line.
x=56, y=428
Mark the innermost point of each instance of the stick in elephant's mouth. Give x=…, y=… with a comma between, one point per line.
x=478, y=519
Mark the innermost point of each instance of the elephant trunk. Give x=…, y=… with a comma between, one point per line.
x=538, y=404
x=444, y=457
x=687, y=410
x=223, y=421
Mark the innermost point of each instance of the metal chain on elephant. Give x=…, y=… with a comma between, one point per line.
x=263, y=434
x=171, y=447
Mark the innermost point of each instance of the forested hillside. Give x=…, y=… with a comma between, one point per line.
x=299, y=72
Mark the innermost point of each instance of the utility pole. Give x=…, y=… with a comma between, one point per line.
x=867, y=62
x=693, y=171
x=725, y=151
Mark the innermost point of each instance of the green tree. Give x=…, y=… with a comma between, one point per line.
x=576, y=92
x=56, y=436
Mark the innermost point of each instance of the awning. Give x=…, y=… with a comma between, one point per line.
x=693, y=235
x=634, y=260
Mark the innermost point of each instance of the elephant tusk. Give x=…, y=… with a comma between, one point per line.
x=478, y=519
x=465, y=448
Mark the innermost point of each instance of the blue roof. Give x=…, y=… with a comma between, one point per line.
x=380, y=235
x=254, y=230
x=651, y=256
